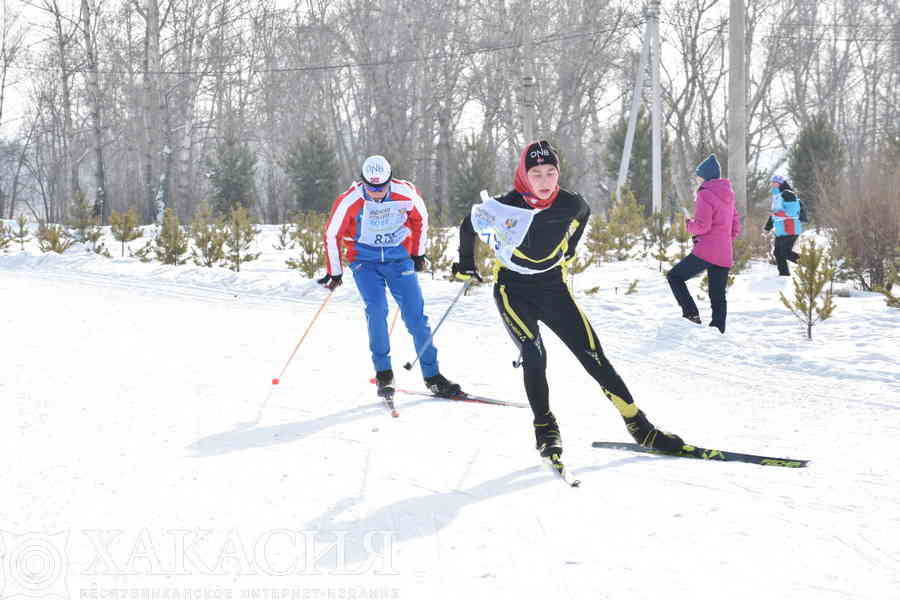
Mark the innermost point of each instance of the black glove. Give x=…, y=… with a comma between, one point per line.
x=330, y=281
x=769, y=224
x=464, y=272
x=419, y=263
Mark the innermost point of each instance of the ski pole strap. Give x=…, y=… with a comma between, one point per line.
x=408, y=366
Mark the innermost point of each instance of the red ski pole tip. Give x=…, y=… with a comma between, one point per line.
x=275, y=381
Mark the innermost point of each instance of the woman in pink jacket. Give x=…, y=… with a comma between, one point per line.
x=715, y=225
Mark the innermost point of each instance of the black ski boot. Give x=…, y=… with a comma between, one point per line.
x=648, y=436
x=385, y=382
x=441, y=386
x=546, y=434
x=693, y=319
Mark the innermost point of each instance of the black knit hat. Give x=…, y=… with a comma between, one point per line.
x=541, y=153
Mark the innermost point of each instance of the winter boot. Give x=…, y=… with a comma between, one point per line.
x=546, y=434
x=693, y=318
x=441, y=386
x=385, y=382
x=648, y=436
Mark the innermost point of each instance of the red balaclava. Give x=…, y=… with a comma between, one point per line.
x=536, y=153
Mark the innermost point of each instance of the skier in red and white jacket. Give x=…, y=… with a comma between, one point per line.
x=380, y=225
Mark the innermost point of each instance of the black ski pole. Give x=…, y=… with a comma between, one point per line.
x=408, y=366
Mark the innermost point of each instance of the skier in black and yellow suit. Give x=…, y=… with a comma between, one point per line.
x=533, y=231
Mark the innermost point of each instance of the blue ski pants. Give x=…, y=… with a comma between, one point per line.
x=400, y=278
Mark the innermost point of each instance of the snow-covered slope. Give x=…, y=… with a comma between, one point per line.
x=134, y=464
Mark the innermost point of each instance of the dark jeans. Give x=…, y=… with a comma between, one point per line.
x=691, y=266
x=784, y=251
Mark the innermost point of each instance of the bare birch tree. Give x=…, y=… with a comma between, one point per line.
x=95, y=101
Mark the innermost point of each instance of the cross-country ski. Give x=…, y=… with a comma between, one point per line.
x=689, y=451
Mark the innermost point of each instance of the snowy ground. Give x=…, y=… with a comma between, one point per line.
x=134, y=467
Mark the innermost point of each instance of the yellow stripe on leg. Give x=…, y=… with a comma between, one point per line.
x=512, y=314
x=626, y=409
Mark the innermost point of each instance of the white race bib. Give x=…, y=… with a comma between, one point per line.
x=503, y=228
x=383, y=224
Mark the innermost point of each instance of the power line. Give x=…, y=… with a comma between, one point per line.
x=550, y=39
x=827, y=38
x=842, y=25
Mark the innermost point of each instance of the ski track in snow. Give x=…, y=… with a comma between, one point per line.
x=130, y=391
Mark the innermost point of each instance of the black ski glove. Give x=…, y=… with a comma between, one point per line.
x=464, y=272
x=330, y=281
x=419, y=262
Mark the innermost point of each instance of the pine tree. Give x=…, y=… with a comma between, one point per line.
x=815, y=161
x=21, y=234
x=53, y=238
x=891, y=279
x=6, y=236
x=640, y=167
x=597, y=241
x=231, y=175
x=171, y=243
x=208, y=237
x=661, y=234
x=312, y=169
x=284, y=238
x=625, y=224
x=485, y=261
x=308, y=236
x=683, y=238
x=81, y=218
x=814, y=271
x=240, y=233
x=632, y=287
x=124, y=227
x=85, y=223
x=474, y=171
x=438, y=244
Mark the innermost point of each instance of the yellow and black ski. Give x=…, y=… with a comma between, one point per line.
x=688, y=451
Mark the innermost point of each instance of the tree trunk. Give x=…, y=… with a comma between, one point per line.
x=70, y=187
x=152, y=122
x=442, y=195
x=101, y=202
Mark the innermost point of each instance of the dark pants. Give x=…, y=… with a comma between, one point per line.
x=691, y=266
x=524, y=300
x=784, y=251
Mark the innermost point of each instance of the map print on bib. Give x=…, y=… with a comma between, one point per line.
x=502, y=227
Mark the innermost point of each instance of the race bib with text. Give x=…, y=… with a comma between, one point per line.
x=383, y=224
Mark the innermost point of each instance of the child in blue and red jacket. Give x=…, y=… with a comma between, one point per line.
x=785, y=221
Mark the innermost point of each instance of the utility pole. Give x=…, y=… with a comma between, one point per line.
x=737, y=105
x=656, y=123
x=636, y=98
x=528, y=116
x=528, y=107
x=651, y=38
